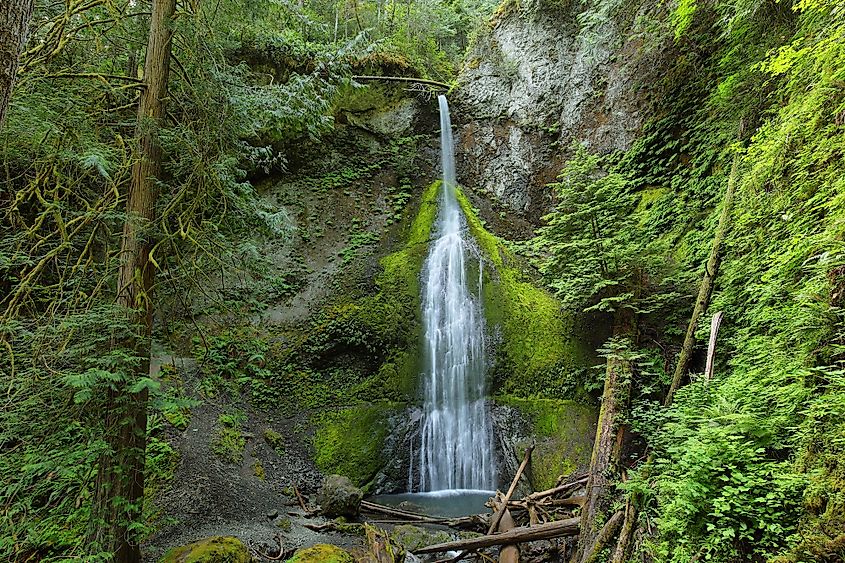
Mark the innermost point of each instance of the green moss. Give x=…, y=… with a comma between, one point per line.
x=322, y=553
x=218, y=549
x=565, y=431
x=539, y=341
x=350, y=441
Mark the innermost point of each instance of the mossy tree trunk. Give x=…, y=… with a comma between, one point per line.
x=14, y=23
x=705, y=290
x=606, y=449
x=119, y=491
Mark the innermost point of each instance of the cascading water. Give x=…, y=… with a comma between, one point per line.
x=456, y=439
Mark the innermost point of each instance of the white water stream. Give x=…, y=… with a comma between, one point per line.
x=456, y=449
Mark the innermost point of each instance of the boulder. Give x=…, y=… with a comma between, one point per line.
x=322, y=553
x=339, y=497
x=216, y=549
x=413, y=538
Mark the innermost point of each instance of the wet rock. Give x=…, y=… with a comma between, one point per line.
x=217, y=549
x=322, y=553
x=339, y=497
x=413, y=538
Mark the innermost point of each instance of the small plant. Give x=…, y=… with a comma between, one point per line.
x=258, y=470
x=275, y=440
x=229, y=443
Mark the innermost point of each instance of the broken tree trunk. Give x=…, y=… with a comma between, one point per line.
x=605, y=535
x=620, y=554
x=617, y=386
x=705, y=290
x=508, y=553
x=559, y=528
x=715, y=323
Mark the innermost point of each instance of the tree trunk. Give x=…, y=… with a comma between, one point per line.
x=706, y=288
x=617, y=387
x=119, y=493
x=14, y=24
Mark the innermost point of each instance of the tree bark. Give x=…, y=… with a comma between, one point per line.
x=119, y=491
x=705, y=290
x=617, y=386
x=14, y=24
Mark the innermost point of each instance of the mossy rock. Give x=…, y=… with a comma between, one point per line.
x=564, y=431
x=413, y=538
x=322, y=553
x=217, y=549
x=350, y=442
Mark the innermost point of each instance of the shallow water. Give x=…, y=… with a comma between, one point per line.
x=449, y=503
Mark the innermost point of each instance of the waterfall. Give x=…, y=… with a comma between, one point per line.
x=456, y=446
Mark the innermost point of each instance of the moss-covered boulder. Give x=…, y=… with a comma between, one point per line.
x=564, y=432
x=413, y=538
x=216, y=549
x=339, y=497
x=322, y=553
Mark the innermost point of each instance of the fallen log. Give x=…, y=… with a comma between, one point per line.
x=557, y=490
x=403, y=517
x=560, y=528
x=403, y=79
x=607, y=532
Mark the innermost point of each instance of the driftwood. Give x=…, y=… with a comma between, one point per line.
x=499, y=513
x=557, y=490
x=405, y=516
x=403, y=79
x=559, y=528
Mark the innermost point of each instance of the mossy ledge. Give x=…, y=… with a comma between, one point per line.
x=540, y=347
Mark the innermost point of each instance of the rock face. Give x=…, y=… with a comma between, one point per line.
x=542, y=75
x=339, y=497
x=217, y=549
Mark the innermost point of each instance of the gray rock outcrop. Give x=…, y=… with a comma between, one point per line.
x=545, y=74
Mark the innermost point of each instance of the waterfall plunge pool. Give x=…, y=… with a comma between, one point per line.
x=449, y=503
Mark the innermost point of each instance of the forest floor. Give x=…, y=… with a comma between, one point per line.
x=249, y=495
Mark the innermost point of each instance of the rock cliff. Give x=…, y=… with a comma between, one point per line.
x=543, y=74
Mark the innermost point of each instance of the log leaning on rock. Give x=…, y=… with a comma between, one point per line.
x=559, y=528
